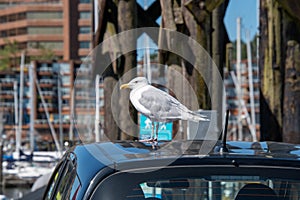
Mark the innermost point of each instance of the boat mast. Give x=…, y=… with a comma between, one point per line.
x=61, y=136
x=16, y=106
x=32, y=107
x=238, y=71
x=19, y=132
x=58, y=147
x=71, y=134
x=250, y=79
x=147, y=51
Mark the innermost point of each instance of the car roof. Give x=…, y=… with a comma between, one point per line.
x=121, y=152
x=94, y=158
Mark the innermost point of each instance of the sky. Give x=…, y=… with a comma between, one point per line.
x=246, y=9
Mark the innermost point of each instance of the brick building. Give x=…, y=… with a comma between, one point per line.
x=64, y=26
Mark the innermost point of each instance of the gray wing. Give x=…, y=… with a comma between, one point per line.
x=161, y=105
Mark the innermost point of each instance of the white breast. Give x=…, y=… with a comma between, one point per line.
x=135, y=95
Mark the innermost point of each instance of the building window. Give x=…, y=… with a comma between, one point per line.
x=84, y=45
x=21, y=31
x=85, y=15
x=44, y=15
x=3, y=19
x=84, y=29
x=13, y=17
x=3, y=34
x=46, y=45
x=85, y=1
x=45, y=30
x=12, y=32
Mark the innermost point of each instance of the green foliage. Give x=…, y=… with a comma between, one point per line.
x=8, y=55
x=45, y=54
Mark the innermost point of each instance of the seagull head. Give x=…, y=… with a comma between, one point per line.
x=135, y=83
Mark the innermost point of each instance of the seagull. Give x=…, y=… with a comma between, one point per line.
x=158, y=105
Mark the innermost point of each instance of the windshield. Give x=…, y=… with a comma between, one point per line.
x=198, y=188
x=194, y=183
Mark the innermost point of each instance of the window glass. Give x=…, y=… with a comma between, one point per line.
x=84, y=29
x=194, y=188
x=173, y=184
x=84, y=45
x=44, y=15
x=54, y=179
x=85, y=15
x=65, y=80
x=85, y=1
x=69, y=184
x=45, y=30
x=65, y=68
x=46, y=45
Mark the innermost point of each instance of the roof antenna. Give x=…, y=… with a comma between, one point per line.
x=224, y=134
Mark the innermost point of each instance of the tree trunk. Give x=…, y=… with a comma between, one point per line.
x=219, y=41
x=127, y=19
x=291, y=108
x=110, y=127
x=278, y=24
x=270, y=71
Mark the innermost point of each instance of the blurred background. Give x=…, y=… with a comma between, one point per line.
x=45, y=67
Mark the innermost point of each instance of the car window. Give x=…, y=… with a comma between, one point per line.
x=190, y=184
x=53, y=181
x=201, y=189
x=191, y=188
x=65, y=184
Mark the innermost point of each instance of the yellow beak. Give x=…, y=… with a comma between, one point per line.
x=126, y=85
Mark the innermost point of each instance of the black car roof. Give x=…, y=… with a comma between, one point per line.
x=114, y=153
x=92, y=159
x=131, y=150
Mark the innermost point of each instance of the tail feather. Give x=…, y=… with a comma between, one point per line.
x=193, y=116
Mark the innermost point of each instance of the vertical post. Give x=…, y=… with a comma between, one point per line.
x=61, y=136
x=16, y=106
x=250, y=79
x=257, y=35
x=19, y=132
x=71, y=133
x=97, y=119
x=147, y=51
x=148, y=65
x=32, y=111
x=1, y=160
x=238, y=71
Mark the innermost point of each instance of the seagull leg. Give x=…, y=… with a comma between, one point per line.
x=153, y=140
x=156, y=131
x=152, y=134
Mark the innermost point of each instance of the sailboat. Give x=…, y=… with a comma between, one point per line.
x=28, y=165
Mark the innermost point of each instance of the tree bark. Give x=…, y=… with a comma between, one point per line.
x=291, y=108
x=219, y=41
x=278, y=25
x=127, y=19
x=270, y=72
x=110, y=127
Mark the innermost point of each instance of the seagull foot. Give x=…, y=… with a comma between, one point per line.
x=149, y=140
x=152, y=141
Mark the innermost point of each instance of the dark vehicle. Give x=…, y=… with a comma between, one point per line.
x=177, y=170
